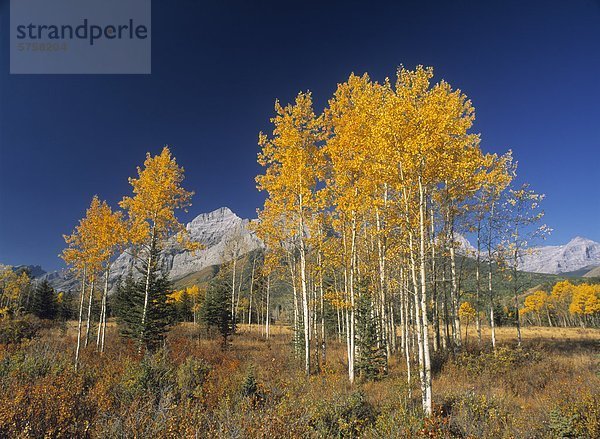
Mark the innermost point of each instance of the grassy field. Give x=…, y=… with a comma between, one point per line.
x=192, y=388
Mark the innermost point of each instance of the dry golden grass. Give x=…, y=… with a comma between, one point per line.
x=537, y=333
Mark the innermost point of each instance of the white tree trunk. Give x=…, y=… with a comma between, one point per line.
x=427, y=397
x=104, y=299
x=147, y=288
x=79, y=323
x=233, y=288
x=89, y=315
x=268, y=317
x=251, y=291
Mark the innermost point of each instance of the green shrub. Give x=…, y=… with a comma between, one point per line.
x=14, y=331
x=249, y=386
x=191, y=376
x=560, y=425
x=473, y=415
x=152, y=376
x=578, y=419
x=33, y=362
x=346, y=418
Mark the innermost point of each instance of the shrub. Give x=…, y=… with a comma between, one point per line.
x=153, y=376
x=500, y=362
x=346, y=418
x=249, y=386
x=33, y=362
x=473, y=415
x=560, y=425
x=191, y=376
x=14, y=331
x=577, y=419
x=54, y=406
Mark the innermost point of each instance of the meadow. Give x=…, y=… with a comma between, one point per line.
x=191, y=387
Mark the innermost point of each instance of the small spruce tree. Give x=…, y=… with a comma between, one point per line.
x=216, y=312
x=129, y=306
x=371, y=361
x=184, y=308
x=44, y=303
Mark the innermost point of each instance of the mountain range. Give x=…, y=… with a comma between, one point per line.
x=224, y=235
x=579, y=254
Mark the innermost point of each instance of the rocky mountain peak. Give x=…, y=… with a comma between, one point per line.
x=217, y=231
x=578, y=253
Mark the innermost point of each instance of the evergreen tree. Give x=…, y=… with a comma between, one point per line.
x=184, y=308
x=130, y=306
x=44, y=301
x=371, y=361
x=126, y=305
x=65, y=310
x=216, y=312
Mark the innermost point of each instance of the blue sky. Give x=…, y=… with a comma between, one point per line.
x=532, y=70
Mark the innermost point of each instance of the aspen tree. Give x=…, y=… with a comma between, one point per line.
x=500, y=171
x=350, y=118
x=83, y=255
x=110, y=234
x=393, y=173
x=293, y=168
x=157, y=194
x=522, y=207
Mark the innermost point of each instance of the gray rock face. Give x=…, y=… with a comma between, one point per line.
x=554, y=259
x=222, y=233
x=465, y=248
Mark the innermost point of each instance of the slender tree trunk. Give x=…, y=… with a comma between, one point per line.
x=351, y=329
x=79, y=323
x=267, y=313
x=434, y=298
x=89, y=315
x=233, y=288
x=516, y=297
x=490, y=267
x=478, y=283
x=492, y=318
x=305, y=309
x=291, y=264
x=548, y=316
x=454, y=292
x=147, y=288
x=322, y=303
x=99, y=337
x=404, y=309
x=251, y=290
x=239, y=290
x=392, y=328
x=104, y=299
x=427, y=397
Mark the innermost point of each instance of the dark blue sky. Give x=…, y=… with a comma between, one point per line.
x=532, y=70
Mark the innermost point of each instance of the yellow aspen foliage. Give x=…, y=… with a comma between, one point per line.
x=157, y=193
x=193, y=292
x=585, y=300
x=466, y=312
x=535, y=302
x=560, y=298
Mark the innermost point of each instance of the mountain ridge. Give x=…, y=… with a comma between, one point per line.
x=578, y=253
x=222, y=233
x=225, y=235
